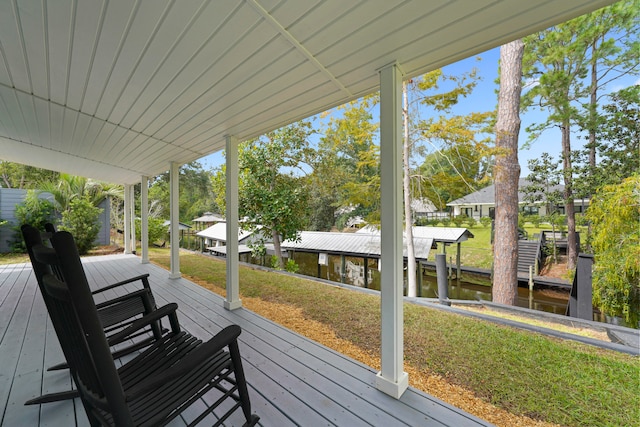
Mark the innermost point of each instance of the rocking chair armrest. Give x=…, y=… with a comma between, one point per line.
x=143, y=277
x=140, y=293
x=222, y=339
x=168, y=310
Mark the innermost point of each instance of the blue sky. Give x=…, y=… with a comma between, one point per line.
x=484, y=98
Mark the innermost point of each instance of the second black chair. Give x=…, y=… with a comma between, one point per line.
x=114, y=314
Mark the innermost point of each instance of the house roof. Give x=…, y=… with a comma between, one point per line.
x=118, y=90
x=209, y=217
x=443, y=234
x=181, y=225
x=437, y=234
x=219, y=232
x=487, y=196
x=354, y=244
x=423, y=205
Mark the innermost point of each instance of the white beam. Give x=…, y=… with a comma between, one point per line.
x=174, y=217
x=132, y=218
x=233, y=281
x=144, y=219
x=127, y=219
x=391, y=379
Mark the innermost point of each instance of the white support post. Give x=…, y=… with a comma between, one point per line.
x=392, y=379
x=132, y=217
x=127, y=219
x=174, y=214
x=233, y=281
x=458, y=266
x=144, y=219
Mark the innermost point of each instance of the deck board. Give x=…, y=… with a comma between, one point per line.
x=292, y=380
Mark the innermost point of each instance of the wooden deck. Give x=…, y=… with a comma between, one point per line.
x=293, y=380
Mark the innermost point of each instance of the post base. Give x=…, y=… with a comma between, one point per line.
x=232, y=305
x=393, y=389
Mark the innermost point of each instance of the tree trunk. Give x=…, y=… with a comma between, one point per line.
x=7, y=184
x=507, y=174
x=593, y=105
x=569, y=208
x=411, y=256
x=277, y=249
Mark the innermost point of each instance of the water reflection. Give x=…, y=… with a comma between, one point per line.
x=536, y=300
x=364, y=273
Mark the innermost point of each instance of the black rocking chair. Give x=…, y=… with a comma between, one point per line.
x=114, y=314
x=158, y=384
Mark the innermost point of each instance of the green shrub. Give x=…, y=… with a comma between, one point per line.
x=459, y=220
x=34, y=211
x=422, y=221
x=274, y=262
x=81, y=220
x=471, y=222
x=615, y=215
x=291, y=266
x=485, y=221
x=535, y=220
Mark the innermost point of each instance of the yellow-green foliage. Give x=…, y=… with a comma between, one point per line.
x=615, y=216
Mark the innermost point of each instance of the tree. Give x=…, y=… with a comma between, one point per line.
x=506, y=175
x=69, y=187
x=347, y=166
x=543, y=187
x=619, y=136
x=615, y=214
x=273, y=187
x=433, y=93
x=612, y=35
x=412, y=286
x=16, y=175
x=560, y=60
x=617, y=142
x=451, y=173
x=557, y=58
x=454, y=148
x=196, y=194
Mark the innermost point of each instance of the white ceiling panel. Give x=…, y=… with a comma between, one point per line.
x=59, y=49
x=117, y=89
x=12, y=44
x=191, y=50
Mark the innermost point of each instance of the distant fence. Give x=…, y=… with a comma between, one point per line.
x=432, y=215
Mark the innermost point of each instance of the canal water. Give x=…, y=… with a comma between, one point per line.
x=551, y=301
x=362, y=272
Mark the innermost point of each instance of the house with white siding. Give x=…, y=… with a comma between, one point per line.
x=481, y=203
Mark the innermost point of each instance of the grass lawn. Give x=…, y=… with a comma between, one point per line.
x=477, y=252
x=11, y=258
x=527, y=374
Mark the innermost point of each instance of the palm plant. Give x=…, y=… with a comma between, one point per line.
x=70, y=187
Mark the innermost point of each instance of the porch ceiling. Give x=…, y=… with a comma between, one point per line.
x=117, y=89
